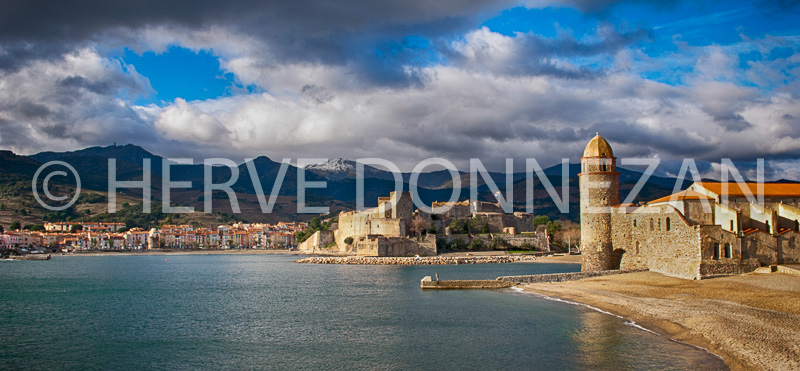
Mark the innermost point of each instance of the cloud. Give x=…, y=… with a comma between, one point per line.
x=318, y=31
x=76, y=100
x=183, y=122
x=399, y=80
x=602, y=6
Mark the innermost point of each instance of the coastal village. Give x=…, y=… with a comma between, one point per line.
x=115, y=236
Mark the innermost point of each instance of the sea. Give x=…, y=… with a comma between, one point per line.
x=265, y=312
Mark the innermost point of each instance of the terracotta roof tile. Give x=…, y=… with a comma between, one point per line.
x=770, y=189
x=681, y=196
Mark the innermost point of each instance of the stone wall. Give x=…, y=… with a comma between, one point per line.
x=523, y=222
x=760, y=245
x=789, y=251
x=711, y=268
x=318, y=240
x=562, y=277
x=368, y=223
x=541, y=243
x=375, y=245
x=657, y=238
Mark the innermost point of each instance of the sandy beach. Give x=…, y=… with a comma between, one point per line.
x=752, y=321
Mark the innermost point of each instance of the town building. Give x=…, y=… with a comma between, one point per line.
x=709, y=229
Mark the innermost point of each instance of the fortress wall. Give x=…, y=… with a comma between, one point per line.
x=514, y=240
x=367, y=223
x=736, y=264
x=317, y=241
x=497, y=222
x=394, y=246
x=711, y=268
x=668, y=247
x=762, y=246
x=695, y=213
x=712, y=235
x=366, y=246
x=388, y=227
x=789, y=251
x=401, y=246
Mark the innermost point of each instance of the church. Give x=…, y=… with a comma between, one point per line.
x=703, y=231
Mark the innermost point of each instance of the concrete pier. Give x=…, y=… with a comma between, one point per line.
x=429, y=283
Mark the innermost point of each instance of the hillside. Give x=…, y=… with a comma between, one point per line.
x=17, y=202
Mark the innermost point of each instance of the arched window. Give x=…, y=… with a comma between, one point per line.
x=659, y=224
x=668, y=224
x=715, y=252
x=728, y=253
x=634, y=222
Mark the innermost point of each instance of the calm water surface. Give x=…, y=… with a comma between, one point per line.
x=263, y=312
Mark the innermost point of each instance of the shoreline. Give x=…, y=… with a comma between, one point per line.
x=180, y=252
x=669, y=330
x=747, y=333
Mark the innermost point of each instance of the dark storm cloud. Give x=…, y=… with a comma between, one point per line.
x=602, y=6
x=97, y=87
x=14, y=134
x=320, y=30
x=27, y=109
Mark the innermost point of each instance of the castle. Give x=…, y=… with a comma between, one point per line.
x=386, y=230
x=704, y=231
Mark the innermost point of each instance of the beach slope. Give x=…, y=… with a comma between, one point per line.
x=752, y=321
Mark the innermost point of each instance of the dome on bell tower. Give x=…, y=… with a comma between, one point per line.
x=598, y=147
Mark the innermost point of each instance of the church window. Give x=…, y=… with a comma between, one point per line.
x=731, y=225
x=637, y=247
x=634, y=222
x=651, y=224
x=715, y=252
x=728, y=253
x=668, y=224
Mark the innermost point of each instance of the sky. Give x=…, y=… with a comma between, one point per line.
x=408, y=80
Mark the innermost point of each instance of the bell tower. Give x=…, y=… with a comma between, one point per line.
x=599, y=188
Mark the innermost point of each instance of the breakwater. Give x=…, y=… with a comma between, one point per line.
x=562, y=277
x=427, y=260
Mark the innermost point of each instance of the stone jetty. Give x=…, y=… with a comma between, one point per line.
x=426, y=260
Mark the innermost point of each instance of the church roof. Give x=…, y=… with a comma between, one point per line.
x=770, y=189
x=682, y=196
x=598, y=147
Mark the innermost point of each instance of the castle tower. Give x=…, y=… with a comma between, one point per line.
x=599, y=186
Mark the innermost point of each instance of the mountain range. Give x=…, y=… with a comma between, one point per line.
x=339, y=174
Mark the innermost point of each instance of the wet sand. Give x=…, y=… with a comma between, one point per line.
x=752, y=321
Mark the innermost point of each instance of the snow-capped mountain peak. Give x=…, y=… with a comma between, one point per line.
x=334, y=165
